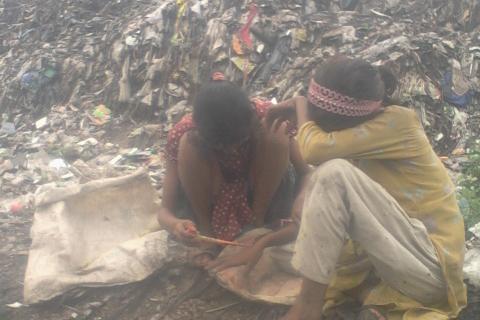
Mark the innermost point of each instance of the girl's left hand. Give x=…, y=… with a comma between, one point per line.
x=184, y=231
x=284, y=111
x=248, y=256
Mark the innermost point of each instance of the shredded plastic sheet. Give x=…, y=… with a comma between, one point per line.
x=101, y=233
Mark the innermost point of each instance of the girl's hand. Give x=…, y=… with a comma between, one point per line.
x=288, y=110
x=184, y=230
x=283, y=111
x=277, y=133
x=248, y=256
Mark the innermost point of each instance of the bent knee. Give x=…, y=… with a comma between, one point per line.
x=333, y=170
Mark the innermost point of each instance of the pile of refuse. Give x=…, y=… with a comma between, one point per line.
x=72, y=70
x=89, y=88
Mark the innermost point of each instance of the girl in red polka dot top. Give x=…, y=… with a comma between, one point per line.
x=227, y=164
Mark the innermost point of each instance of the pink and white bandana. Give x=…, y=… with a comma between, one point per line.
x=335, y=102
x=218, y=76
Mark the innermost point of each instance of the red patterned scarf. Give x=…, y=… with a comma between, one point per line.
x=335, y=102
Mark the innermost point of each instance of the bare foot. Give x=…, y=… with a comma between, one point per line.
x=309, y=304
x=304, y=311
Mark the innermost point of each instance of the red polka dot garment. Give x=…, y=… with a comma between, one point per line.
x=231, y=211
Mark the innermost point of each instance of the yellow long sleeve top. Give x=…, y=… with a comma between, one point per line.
x=394, y=151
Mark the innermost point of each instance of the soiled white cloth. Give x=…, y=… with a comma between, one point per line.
x=344, y=203
x=272, y=280
x=97, y=234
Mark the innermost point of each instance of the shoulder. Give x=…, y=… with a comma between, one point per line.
x=184, y=125
x=401, y=112
x=398, y=116
x=175, y=135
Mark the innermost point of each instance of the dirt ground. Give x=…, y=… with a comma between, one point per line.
x=173, y=293
x=176, y=292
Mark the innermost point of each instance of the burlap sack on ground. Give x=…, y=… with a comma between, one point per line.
x=272, y=280
x=100, y=233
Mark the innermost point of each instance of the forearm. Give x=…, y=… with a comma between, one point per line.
x=302, y=111
x=204, y=224
x=269, y=167
x=279, y=237
x=166, y=219
x=286, y=103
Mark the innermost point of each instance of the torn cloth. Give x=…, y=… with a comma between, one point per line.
x=100, y=233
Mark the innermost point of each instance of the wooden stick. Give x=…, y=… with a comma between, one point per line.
x=223, y=307
x=221, y=242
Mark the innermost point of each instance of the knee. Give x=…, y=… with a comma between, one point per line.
x=334, y=168
x=332, y=171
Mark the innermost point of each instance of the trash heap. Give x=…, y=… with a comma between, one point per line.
x=73, y=72
x=70, y=70
x=89, y=88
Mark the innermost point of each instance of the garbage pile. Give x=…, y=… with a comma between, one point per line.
x=128, y=54
x=71, y=71
x=89, y=88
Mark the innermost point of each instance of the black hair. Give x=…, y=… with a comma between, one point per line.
x=222, y=113
x=355, y=78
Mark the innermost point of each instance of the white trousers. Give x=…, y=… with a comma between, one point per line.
x=344, y=203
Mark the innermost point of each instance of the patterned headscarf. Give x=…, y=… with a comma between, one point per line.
x=335, y=102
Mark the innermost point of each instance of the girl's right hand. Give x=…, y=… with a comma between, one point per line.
x=184, y=230
x=282, y=111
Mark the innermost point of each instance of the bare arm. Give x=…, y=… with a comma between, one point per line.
x=250, y=256
x=182, y=229
x=289, y=233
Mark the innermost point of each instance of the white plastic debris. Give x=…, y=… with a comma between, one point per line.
x=7, y=128
x=15, y=305
x=475, y=230
x=116, y=160
x=58, y=164
x=131, y=41
x=471, y=267
x=89, y=141
x=41, y=123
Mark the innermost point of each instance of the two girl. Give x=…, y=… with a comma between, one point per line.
x=380, y=222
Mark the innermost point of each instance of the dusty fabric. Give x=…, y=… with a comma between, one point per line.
x=343, y=203
x=100, y=233
x=272, y=280
x=392, y=149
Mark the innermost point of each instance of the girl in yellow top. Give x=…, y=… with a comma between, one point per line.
x=380, y=222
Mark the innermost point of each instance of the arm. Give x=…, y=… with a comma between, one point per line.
x=395, y=136
x=269, y=166
x=391, y=135
x=251, y=255
x=184, y=230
